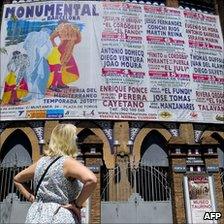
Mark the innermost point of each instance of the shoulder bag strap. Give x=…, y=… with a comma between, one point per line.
x=42, y=177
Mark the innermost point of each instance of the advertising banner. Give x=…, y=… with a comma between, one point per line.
x=199, y=198
x=110, y=60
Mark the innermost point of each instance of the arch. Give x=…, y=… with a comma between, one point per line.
x=29, y=134
x=143, y=134
x=87, y=138
x=107, y=156
x=16, y=138
x=152, y=150
x=18, y=156
x=212, y=133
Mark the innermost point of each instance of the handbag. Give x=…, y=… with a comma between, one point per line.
x=43, y=175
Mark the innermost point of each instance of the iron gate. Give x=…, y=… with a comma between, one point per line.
x=144, y=196
x=13, y=205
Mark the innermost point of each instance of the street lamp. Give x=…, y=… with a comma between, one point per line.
x=130, y=146
x=116, y=144
x=41, y=144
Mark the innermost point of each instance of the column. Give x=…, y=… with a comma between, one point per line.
x=178, y=166
x=94, y=162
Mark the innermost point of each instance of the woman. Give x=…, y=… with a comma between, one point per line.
x=58, y=199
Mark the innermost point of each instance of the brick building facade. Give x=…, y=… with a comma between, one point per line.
x=106, y=145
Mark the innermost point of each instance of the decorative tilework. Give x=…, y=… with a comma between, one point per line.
x=3, y=125
x=38, y=127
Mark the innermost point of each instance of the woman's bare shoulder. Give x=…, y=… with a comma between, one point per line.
x=69, y=161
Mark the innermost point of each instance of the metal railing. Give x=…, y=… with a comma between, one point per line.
x=150, y=182
x=7, y=186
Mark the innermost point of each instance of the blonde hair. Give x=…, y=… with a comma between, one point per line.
x=63, y=141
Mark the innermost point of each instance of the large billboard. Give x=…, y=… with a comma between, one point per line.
x=110, y=60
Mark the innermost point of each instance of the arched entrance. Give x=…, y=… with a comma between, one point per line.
x=91, y=154
x=16, y=154
x=146, y=196
x=154, y=169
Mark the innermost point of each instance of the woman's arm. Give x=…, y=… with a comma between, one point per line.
x=23, y=176
x=74, y=169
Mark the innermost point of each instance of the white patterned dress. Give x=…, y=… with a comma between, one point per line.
x=55, y=190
